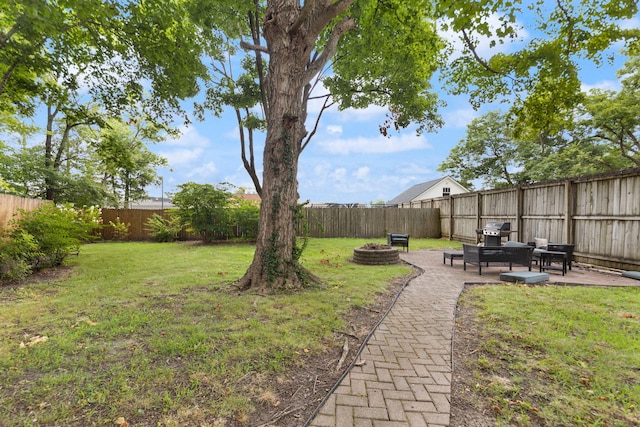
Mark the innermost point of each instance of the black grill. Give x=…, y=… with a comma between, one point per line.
x=493, y=232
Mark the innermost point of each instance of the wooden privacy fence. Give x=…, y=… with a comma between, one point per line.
x=599, y=214
x=323, y=222
x=372, y=222
x=137, y=220
x=10, y=207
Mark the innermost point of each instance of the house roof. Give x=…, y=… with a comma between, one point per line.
x=249, y=196
x=152, y=203
x=413, y=192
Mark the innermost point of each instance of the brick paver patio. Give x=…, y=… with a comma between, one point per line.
x=405, y=379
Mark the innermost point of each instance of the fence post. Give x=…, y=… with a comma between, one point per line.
x=478, y=214
x=567, y=226
x=519, y=209
x=451, y=216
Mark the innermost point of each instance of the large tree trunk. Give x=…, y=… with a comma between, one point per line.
x=291, y=32
x=275, y=264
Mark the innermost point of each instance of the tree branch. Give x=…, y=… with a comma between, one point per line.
x=249, y=163
x=6, y=76
x=326, y=105
x=251, y=46
x=472, y=48
x=304, y=15
x=255, y=34
x=330, y=48
x=331, y=10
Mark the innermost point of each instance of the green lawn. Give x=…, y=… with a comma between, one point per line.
x=569, y=356
x=156, y=333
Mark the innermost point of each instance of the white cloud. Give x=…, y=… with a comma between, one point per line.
x=602, y=85
x=378, y=144
x=334, y=130
x=459, y=118
x=361, y=173
x=203, y=172
x=338, y=174
x=189, y=137
x=183, y=157
x=371, y=113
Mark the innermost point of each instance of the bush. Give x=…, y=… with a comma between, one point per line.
x=164, y=229
x=204, y=208
x=246, y=216
x=18, y=254
x=44, y=238
x=120, y=229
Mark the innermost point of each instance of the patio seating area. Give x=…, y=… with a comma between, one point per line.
x=496, y=272
x=510, y=254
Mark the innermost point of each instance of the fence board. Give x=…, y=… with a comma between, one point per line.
x=137, y=220
x=10, y=207
x=372, y=222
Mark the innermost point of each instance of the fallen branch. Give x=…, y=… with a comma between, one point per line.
x=347, y=334
x=280, y=415
x=345, y=351
x=296, y=392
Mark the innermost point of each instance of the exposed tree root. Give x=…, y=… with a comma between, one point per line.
x=257, y=282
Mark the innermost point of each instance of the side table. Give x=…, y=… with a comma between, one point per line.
x=548, y=257
x=451, y=256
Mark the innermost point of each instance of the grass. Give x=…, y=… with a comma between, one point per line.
x=155, y=333
x=563, y=355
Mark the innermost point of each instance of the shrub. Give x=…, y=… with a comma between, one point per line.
x=44, y=238
x=18, y=254
x=204, y=208
x=120, y=229
x=246, y=215
x=164, y=229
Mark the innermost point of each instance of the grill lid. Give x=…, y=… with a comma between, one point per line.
x=496, y=229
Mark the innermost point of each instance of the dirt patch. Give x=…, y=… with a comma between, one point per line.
x=466, y=409
x=45, y=275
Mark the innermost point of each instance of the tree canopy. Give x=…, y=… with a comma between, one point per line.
x=83, y=68
x=604, y=137
x=125, y=54
x=540, y=77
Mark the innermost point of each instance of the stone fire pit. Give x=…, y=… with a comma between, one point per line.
x=376, y=254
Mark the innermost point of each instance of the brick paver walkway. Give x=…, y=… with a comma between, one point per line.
x=406, y=376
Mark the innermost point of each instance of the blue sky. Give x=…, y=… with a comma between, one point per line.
x=348, y=161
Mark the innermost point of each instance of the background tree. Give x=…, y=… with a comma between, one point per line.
x=613, y=118
x=488, y=153
x=114, y=45
x=86, y=165
x=85, y=61
x=491, y=154
x=127, y=165
x=603, y=138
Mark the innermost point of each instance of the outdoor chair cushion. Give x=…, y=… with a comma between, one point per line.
x=514, y=244
x=541, y=243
